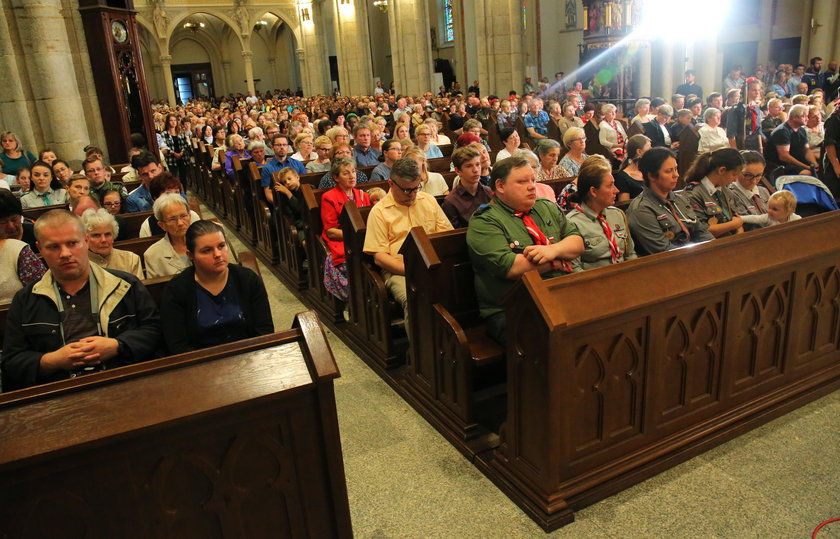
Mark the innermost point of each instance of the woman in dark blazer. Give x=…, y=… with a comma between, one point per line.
x=212, y=302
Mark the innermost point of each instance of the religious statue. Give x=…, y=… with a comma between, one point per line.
x=571, y=14
x=241, y=16
x=159, y=17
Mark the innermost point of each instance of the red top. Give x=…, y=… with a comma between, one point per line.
x=331, y=204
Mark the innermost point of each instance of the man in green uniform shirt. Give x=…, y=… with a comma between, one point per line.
x=515, y=233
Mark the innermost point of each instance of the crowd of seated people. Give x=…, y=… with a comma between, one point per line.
x=553, y=210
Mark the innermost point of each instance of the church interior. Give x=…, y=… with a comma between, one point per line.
x=688, y=394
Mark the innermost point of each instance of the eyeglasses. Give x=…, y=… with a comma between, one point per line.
x=749, y=176
x=111, y=204
x=406, y=190
x=176, y=219
x=324, y=149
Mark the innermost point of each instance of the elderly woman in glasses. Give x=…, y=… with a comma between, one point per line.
x=101, y=230
x=169, y=255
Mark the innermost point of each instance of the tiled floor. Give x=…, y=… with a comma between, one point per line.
x=404, y=480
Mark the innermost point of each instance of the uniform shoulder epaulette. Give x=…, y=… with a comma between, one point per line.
x=481, y=209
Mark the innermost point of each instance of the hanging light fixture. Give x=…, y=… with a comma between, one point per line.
x=381, y=4
x=193, y=26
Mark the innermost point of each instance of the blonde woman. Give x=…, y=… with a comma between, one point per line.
x=430, y=182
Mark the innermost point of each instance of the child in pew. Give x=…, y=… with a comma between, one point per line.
x=287, y=183
x=780, y=209
x=376, y=194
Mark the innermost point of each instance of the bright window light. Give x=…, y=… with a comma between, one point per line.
x=683, y=20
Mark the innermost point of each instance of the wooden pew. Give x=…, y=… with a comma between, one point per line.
x=239, y=440
x=593, y=143
x=446, y=149
x=455, y=371
x=327, y=305
x=689, y=140
x=35, y=213
x=619, y=373
x=227, y=195
x=438, y=164
x=375, y=325
x=493, y=137
x=131, y=222
x=244, y=200
x=291, y=264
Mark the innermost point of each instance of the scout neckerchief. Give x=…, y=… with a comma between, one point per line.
x=539, y=237
x=679, y=221
x=615, y=251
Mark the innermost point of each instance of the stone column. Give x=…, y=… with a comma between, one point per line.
x=247, y=57
x=765, y=36
x=16, y=108
x=157, y=76
x=666, y=82
x=52, y=78
x=352, y=43
x=707, y=66
x=645, y=74
x=166, y=67
x=824, y=14
x=314, y=66
x=501, y=54
x=805, y=31
x=411, y=46
x=228, y=82
x=272, y=64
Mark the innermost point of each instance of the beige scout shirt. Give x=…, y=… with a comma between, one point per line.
x=597, y=252
x=389, y=222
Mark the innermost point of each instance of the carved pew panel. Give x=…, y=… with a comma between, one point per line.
x=455, y=371
x=370, y=328
x=239, y=440
x=637, y=368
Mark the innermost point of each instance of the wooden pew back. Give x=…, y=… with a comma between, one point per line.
x=617, y=373
x=135, y=454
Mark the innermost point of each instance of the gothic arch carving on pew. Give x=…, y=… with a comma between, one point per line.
x=692, y=353
x=760, y=338
x=822, y=309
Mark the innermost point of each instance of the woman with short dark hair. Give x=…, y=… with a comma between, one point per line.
x=212, y=302
x=661, y=220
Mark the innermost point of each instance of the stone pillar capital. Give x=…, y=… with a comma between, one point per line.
x=300, y=54
x=247, y=55
x=165, y=59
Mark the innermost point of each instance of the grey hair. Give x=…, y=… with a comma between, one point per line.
x=798, y=111
x=527, y=154
x=641, y=103
x=666, y=109
x=338, y=164
x=165, y=200
x=255, y=144
x=607, y=106
x=546, y=145
x=254, y=132
x=406, y=169
x=711, y=111
x=93, y=219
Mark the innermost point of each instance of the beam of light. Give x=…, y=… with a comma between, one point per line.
x=673, y=21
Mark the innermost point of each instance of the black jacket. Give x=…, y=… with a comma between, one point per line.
x=32, y=328
x=178, y=308
x=654, y=133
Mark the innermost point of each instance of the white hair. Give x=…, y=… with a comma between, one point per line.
x=711, y=111
x=798, y=111
x=93, y=219
x=254, y=132
x=167, y=199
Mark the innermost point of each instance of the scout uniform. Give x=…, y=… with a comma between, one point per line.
x=749, y=202
x=495, y=236
x=602, y=248
x=661, y=224
x=711, y=205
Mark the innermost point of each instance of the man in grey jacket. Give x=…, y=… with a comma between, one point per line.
x=79, y=318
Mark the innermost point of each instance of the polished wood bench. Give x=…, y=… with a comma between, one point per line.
x=239, y=440
x=621, y=372
x=454, y=369
x=375, y=327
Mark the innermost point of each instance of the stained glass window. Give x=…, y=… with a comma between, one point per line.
x=448, y=24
